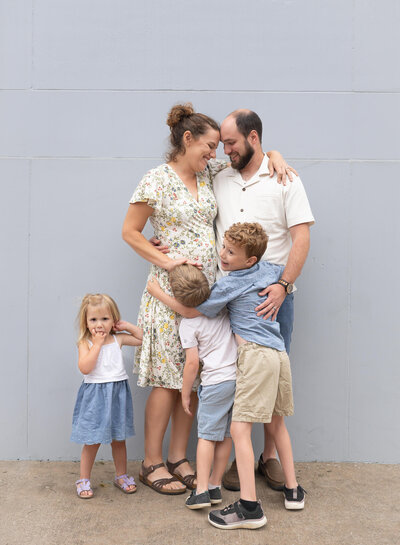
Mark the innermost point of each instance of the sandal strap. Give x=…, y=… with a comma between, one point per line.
x=189, y=479
x=126, y=481
x=147, y=470
x=83, y=485
x=159, y=483
x=172, y=466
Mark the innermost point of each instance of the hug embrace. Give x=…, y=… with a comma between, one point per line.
x=193, y=202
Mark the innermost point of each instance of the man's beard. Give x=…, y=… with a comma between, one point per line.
x=245, y=159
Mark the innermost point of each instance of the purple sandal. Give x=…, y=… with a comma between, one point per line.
x=83, y=485
x=126, y=482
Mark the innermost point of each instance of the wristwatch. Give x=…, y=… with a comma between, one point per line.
x=287, y=285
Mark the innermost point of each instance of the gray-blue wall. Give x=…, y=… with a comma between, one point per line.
x=85, y=89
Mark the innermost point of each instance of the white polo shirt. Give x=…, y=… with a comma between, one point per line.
x=261, y=199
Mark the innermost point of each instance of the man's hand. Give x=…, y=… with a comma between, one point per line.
x=278, y=164
x=157, y=244
x=186, y=404
x=270, y=307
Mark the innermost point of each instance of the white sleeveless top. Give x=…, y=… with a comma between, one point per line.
x=110, y=365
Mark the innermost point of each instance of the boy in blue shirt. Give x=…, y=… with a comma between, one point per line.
x=263, y=380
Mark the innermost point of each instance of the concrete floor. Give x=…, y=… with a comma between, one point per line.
x=347, y=504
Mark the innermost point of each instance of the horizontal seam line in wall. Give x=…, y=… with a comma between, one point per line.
x=233, y=91
x=102, y=158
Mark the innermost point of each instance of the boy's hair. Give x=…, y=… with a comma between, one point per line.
x=189, y=285
x=94, y=299
x=251, y=236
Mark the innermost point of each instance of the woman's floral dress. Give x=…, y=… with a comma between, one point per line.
x=186, y=226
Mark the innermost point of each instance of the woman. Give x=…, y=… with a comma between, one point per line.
x=177, y=197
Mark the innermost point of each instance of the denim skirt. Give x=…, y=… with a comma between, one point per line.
x=103, y=413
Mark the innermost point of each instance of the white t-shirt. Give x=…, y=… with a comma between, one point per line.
x=216, y=345
x=261, y=199
x=109, y=366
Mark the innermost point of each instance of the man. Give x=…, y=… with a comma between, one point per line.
x=246, y=193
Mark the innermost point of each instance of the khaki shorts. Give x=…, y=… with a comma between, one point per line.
x=263, y=384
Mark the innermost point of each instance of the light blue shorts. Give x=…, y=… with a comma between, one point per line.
x=214, y=413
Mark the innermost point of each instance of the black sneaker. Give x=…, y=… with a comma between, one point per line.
x=198, y=501
x=215, y=495
x=236, y=516
x=294, y=497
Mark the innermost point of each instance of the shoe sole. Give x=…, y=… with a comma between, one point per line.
x=294, y=505
x=247, y=525
x=198, y=505
x=215, y=502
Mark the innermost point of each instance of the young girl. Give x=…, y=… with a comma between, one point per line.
x=103, y=411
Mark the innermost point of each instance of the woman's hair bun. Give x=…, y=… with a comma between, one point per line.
x=179, y=112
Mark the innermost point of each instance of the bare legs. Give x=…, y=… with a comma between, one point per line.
x=88, y=457
x=162, y=404
x=207, y=453
x=241, y=434
x=269, y=444
x=120, y=461
x=279, y=432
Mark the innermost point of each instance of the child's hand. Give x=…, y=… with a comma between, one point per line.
x=153, y=287
x=121, y=325
x=98, y=337
x=186, y=405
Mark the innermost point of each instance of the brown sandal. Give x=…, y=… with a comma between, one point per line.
x=159, y=484
x=188, y=480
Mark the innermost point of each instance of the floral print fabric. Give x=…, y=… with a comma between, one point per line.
x=186, y=226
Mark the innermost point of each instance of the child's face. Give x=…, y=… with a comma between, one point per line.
x=99, y=319
x=234, y=258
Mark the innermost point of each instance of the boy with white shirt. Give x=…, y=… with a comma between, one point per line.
x=211, y=341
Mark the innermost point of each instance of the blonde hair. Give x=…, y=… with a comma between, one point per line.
x=94, y=299
x=251, y=236
x=189, y=285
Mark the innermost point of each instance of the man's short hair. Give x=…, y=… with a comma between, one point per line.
x=247, y=121
x=189, y=285
x=250, y=236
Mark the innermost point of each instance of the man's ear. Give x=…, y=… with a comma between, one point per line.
x=253, y=137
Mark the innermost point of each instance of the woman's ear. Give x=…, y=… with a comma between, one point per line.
x=187, y=138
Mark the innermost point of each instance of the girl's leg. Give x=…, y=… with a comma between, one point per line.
x=241, y=435
x=159, y=407
x=204, y=459
x=120, y=461
x=181, y=424
x=221, y=458
x=278, y=430
x=87, y=460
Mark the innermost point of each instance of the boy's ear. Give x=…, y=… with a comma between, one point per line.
x=252, y=260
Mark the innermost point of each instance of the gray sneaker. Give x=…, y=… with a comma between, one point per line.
x=198, y=501
x=215, y=495
x=236, y=516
